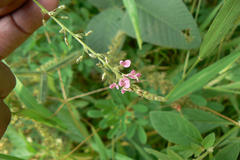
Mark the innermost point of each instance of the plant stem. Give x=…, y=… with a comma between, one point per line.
x=76, y=37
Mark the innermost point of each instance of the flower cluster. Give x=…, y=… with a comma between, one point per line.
x=125, y=81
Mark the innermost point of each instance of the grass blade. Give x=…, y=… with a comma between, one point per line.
x=132, y=11
x=202, y=78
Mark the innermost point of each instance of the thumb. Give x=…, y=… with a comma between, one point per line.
x=5, y=117
x=7, y=83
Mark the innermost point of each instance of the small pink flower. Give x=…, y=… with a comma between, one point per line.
x=123, y=91
x=134, y=75
x=138, y=75
x=114, y=85
x=124, y=82
x=126, y=63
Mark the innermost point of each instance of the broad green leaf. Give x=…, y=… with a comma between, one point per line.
x=140, y=108
x=229, y=152
x=208, y=141
x=142, y=136
x=198, y=100
x=166, y=23
x=204, y=121
x=221, y=25
x=104, y=4
x=105, y=27
x=7, y=157
x=175, y=128
x=201, y=78
x=133, y=14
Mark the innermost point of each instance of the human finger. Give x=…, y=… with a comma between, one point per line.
x=18, y=26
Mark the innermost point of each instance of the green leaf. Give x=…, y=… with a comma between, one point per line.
x=166, y=23
x=94, y=113
x=30, y=113
x=221, y=25
x=208, y=141
x=133, y=14
x=175, y=128
x=7, y=157
x=198, y=100
x=215, y=106
x=100, y=148
x=157, y=154
x=201, y=78
x=21, y=147
x=204, y=121
x=142, y=135
x=105, y=26
x=75, y=129
x=43, y=87
x=26, y=97
x=142, y=152
x=131, y=130
x=140, y=108
x=229, y=152
x=104, y=4
x=173, y=155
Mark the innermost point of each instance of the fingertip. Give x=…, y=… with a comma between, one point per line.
x=30, y=17
x=5, y=118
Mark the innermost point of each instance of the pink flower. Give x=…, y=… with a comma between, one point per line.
x=123, y=91
x=126, y=63
x=124, y=82
x=134, y=75
x=114, y=85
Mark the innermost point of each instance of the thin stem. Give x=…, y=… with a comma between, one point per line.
x=87, y=94
x=198, y=8
x=220, y=115
x=185, y=65
x=203, y=155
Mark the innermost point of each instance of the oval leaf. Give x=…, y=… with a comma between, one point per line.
x=166, y=23
x=229, y=152
x=104, y=27
x=175, y=128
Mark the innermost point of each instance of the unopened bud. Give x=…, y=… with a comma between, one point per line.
x=103, y=76
x=88, y=33
x=62, y=7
